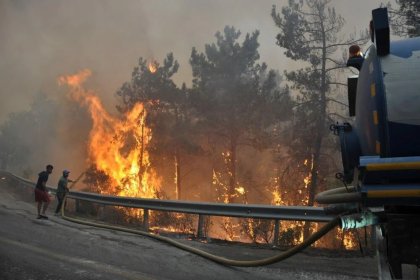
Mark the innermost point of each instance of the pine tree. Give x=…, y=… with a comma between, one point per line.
x=309, y=32
x=237, y=99
x=405, y=20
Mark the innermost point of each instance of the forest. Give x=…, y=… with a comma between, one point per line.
x=239, y=132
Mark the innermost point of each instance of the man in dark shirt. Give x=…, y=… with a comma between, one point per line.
x=41, y=193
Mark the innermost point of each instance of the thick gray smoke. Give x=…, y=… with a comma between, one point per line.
x=42, y=40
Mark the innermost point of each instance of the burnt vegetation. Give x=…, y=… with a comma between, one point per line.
x=242, y=131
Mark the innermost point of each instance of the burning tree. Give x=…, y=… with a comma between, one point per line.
x=116, y=147
x=238, y=101
x=309, y=32
x=169, y=114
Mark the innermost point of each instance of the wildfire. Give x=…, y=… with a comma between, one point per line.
x=349, y=239
x=274, y=189
x=240, y=190
x=116, y=146
x=307, y=179
x=153, y=66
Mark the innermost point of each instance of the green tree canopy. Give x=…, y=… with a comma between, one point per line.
x=237, y=98
x=150, y=86
x=309, y=32
x=170, y=116
x=405, y=19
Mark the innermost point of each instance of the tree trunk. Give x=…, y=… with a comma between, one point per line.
x=178, y=188
x=313, y=187
x=232, y=168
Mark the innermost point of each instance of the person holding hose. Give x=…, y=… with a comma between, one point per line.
x=62, y=190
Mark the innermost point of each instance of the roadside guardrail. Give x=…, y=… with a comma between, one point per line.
x=202, y=209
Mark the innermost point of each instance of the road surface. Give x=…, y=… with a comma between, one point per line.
x=57, y=249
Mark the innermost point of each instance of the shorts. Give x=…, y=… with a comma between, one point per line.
x=41, y=196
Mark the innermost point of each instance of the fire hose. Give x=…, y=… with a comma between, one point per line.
x=344, y=202
x=339, y=195
x=221, y=260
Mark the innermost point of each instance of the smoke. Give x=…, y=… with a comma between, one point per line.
x=42, y=40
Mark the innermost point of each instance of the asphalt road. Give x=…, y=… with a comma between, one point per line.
x=58, y=249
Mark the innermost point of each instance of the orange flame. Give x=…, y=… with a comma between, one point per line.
x=240, y=190
x=153, y=66
x=118, y=147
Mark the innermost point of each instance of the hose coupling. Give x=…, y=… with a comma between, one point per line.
x=359, y=220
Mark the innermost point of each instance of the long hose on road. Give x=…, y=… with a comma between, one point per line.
x=221, y=260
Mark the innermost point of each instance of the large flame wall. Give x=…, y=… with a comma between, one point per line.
x=116, y=146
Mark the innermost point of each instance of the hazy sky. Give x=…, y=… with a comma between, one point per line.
x=43, y=39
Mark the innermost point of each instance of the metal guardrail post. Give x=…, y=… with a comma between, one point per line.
x=200, y=230
x=146, y=219
x=77, y=205
x=276, y=232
